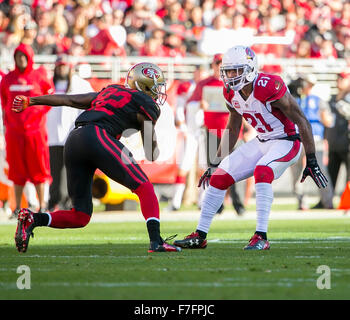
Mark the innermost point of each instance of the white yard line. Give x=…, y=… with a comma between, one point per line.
x=136, y=216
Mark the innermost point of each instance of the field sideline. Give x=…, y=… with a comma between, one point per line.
x=108, y=259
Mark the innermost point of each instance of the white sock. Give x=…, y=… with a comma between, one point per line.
x=264, y=198
x=50, y=218
x=178, y=194
x=212, y=201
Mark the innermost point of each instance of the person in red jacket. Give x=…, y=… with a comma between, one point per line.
x=208, y=94
x=27, y=152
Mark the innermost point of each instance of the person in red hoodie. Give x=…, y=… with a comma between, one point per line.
x=207, y=97
x=27, y=151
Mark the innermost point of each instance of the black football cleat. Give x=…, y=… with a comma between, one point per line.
x=257, y=243
x=192, y=241
x=163, y=246
x=25, y=226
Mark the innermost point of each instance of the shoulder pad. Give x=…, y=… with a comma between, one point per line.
x=268, y=87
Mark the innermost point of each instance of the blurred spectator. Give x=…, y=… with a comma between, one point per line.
x=195, y=22
x=45, y=41
x=30, y=31
x=327, y=50
x=303, y=50
x=135, y=28
x=25, y=133
x=338, y=135
x=212, y=37
x=175, y=15
x=60, y=121
x=106, y=41
x=207, y=96
x=4, y=21
x=77, y=47
x=153, y=47
x=14, y=32
x=318, y=113
x=81, y=22
x=209, y=12
x=324, y=24
x=190, y=130
x=174, y=42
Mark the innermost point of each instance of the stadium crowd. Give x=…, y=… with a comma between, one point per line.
x=171, y=28
x=317, y=29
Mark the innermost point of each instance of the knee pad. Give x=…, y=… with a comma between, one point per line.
x=263, y=174
x=221, y=180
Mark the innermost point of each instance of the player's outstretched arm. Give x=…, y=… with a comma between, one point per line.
x=79, y=101
x=291, y=109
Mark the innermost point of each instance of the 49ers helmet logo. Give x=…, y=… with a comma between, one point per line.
x=151, y=73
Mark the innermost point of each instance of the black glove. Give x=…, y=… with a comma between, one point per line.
x=313, y=170
x=205, y=178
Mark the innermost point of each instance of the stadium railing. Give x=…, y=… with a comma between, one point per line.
x=115, y=68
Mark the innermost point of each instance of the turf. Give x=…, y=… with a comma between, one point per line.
x=110, y=261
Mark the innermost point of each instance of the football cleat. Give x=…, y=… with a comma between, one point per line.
x=192, y=241
x=257, y=243
x=25, y=226
x=163, y=246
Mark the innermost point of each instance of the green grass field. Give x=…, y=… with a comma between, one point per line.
x=110, y=261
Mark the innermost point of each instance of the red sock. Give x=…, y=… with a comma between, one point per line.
x=62, y=219
x=148, y=201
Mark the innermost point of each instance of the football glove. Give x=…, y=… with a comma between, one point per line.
x=205, y=178
x=313, y=170
x=20, y=103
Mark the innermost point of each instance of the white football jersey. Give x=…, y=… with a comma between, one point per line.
x=269, y=122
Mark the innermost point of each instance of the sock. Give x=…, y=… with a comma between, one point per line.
x=153, y=228
x=42, y=219
x=212, y=201
x=148, y=201
x=62, y=219
x=264, y=198
x=201, y=234
x=262, y=234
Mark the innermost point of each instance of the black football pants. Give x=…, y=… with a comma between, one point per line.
x=89, y=148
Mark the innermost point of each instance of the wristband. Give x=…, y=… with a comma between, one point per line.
x=311, y=156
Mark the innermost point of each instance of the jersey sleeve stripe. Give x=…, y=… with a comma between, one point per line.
x=146, y=113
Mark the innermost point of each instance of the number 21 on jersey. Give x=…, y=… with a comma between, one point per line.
x=257, y=122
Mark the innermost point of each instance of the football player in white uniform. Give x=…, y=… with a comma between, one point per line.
x=264, y=101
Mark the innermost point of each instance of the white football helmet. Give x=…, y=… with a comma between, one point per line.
x=243, y=60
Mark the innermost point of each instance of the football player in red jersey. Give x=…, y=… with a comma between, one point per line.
x=265, y=103
x=94, y=144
